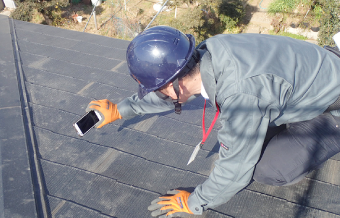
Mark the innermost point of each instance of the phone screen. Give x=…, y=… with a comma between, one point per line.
x=87, y=122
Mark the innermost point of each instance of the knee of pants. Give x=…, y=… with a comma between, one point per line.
x=267, y=175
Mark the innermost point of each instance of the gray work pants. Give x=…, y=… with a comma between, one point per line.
x=296, y=149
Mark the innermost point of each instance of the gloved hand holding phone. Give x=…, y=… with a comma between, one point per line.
x=175, y=205
x=106, y=109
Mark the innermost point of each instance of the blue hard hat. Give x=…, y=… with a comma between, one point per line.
x=157, y=56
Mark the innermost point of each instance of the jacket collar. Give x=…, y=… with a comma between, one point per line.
x=208, y=76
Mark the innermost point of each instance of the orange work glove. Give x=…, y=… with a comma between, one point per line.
x=171, y=206
x=106, y=109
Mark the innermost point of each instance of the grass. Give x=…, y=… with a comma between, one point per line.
x=291, y=35
x=282, y=6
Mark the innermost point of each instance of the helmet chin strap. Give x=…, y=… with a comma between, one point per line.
x=178, y=106
x=192, y=62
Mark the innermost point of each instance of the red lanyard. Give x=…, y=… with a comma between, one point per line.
x=206, y=134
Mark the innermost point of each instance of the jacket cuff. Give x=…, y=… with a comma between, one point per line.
x=124, y=109
x=194, y=205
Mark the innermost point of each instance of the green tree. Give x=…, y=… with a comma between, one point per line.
x=230, y=13
x=50, y=9
x=206, y=18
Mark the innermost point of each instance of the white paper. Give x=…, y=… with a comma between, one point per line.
x=195, y=152
x=336, y=39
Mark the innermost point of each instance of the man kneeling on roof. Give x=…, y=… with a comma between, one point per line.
x=258, y=84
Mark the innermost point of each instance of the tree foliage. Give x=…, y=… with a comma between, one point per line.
x=206, y=18
x=24, y=10
x=231, y=13
x=48, y=8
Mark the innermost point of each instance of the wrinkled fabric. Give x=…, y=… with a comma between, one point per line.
x=297, y=150
x=258, y=81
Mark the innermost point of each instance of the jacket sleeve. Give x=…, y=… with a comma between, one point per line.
x=244, y=120
x=151, y=103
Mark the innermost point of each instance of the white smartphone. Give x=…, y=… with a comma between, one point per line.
x=88, y=121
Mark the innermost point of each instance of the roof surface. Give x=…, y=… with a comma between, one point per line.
x=48, y=76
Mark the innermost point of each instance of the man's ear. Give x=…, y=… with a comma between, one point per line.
x=166, y=85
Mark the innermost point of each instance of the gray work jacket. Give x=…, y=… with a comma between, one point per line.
x=257, y=81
